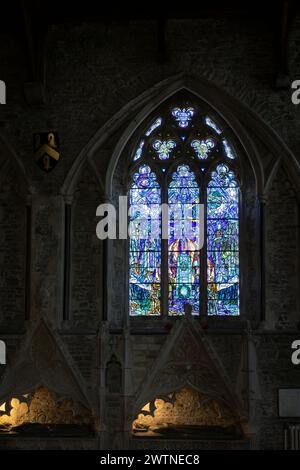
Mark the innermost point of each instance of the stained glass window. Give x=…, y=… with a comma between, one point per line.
x=222, y=243
x=163, y=148
x=202, y=147
x=209, y=122
x=153, y=126
x=183, y=243
x=185, y=159
x=144, y=244
x=183, y=116
x=228, y=150
x=139, y=151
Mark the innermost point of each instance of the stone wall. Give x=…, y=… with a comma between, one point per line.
x=92, y=72
x=282, y=254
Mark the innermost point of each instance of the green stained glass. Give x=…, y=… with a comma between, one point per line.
x=223, y=243
x=145, y=245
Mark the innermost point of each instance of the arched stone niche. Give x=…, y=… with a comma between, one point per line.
x=187, y=413
x=14, y=203
x=45, y=413
x=86, y=295
x=113, y=375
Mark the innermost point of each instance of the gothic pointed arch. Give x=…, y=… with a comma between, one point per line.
x=186, y=156
x=12, y=169
x=15, y=203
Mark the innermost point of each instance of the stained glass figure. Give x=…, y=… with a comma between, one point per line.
x=183, y=116
x=209, y=122
x=154, y=126
x=163, y=148
x=223, y=243
x=175, y=138
x=144, y=248
x=228, y=150
x=139, y=151
x=183, y=243
x=202, y=147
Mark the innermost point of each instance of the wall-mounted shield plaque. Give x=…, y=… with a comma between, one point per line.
x=46, y=152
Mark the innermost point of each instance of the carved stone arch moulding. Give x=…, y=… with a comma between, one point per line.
x=187, y=359
x=260, y=147
x=88, y=186
x=42, y=363
x=243, y=122
x=12, y=172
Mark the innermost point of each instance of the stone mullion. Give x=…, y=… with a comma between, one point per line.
x=164, y=259
x=203, y=257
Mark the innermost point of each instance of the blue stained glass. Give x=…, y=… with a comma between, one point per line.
x=144, y=196
x=183, y=195
x=145, y=178
x=202, y=147
x=223, y=243
x=222, y=177
x=223, y=194
x=222, y=203
x=183, y=187
x=144, y=299
x=144, y=229
x=223, y=300
x=184, y=211
x=146, y=244
x=181, y=294
x=223, y=266
x=182, y=259
x=144, y=267
x=144, y=254
x=139, y=209
x=183, y=116
x=183, y=248
x=184, y=226
x=182, y=245
x=223, y=292
x=154, y=126
x=223, y=235
x=163, y=148
x=209, y=122
x=190, y=267
x=139, y=151
x=228, y=150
